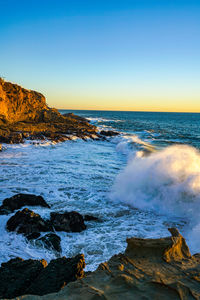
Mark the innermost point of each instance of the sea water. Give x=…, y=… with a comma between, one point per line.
x=138, y=183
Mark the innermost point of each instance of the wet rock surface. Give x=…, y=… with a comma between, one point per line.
x=67, y=221
x=27, y=222
x=19, y=200
x=89, y=218
x=50, y=241
x=149, y=269
x=19, y=277
x=109, y=133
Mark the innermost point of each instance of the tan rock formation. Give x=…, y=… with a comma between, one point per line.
x=25, y=114
x=149, y=269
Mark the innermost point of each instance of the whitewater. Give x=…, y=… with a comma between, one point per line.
x=138, y=184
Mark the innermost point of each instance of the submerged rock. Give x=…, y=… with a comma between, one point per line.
x=50, y=241
x=27, y=222
x=21, y=277
x=19, y=200
x=68, y=221
x=90, y=218
x=109, y=133
x=149, y=269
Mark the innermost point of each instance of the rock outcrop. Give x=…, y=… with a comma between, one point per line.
x=19, y=277
x=27, y=222
x=149, y=269
x=68, y=221
x=25, y=114
x=19, y=200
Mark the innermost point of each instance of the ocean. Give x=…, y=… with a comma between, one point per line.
x=138, y=183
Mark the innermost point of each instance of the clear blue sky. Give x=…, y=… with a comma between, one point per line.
x=124, y=55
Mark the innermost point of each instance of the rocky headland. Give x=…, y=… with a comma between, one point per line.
x=24, y=114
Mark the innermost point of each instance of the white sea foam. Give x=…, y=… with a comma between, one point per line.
x=166, y=181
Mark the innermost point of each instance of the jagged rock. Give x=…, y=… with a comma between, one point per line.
x=25, y=114
x=50, y=241
x=90, y=218
x=17, y=274
x=109, y=133
x=19, y=200
x=68, y=221
x=0, y=147
x=27, y=222
x=58, y=274
x=149, y=269
x=22, y=277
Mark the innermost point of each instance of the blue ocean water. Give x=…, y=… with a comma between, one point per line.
x=138, y=183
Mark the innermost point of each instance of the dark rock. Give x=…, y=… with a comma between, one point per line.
x=90, y=218
x=68, y=221
x=33, y=236
x=27, y=222
x=57, y=274
x=20, y=200
x=17, y=274
x=50, y=241
x=109, y=133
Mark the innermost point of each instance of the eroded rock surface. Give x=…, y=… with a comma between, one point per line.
x=149, y=269
x=24, y=114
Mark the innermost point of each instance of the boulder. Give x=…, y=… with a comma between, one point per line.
x=19, y=200
x=50, y=241
x=58, y=274
x=21, y=277
x=27, y=222
x=109, y=133
x=67, y=221
x=17, y=274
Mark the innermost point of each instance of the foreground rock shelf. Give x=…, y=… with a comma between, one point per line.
x=149, y=269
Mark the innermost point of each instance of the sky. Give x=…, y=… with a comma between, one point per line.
x=135, y=55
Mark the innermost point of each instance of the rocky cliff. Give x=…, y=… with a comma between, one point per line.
x=19, y=104
x=25, y=114
x=149, y=269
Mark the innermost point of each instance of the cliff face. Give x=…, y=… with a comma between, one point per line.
x=25, y=114
x=19, y=104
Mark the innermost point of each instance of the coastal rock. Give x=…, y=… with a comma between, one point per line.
x=27, y=222
x=149, y=269
x=50, y=241
x=19, y=200
x=67, y=221
x=0, y=147
x=17, y=274
x=25, y=114
x=109, y=133
x=58, y=274
x=90, y=218
x=21, y=277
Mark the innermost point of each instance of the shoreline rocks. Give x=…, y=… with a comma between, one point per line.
x=19, y=277
x=149, y=269
x=17, y=201
x=67, y=221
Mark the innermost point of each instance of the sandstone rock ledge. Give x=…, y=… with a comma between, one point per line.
x=149, y=269
x=24, y=114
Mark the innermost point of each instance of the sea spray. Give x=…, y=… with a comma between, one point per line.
x=167, y=182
